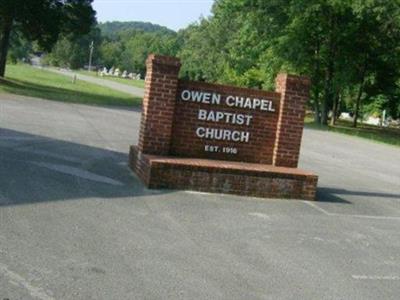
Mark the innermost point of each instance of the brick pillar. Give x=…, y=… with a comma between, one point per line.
x=294, y=92
x=158, y=104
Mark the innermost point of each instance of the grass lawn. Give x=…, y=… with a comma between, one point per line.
x=26, y=80
x=380, y=134
x=135, y=83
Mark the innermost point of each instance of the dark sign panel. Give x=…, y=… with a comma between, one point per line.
x=224, y=122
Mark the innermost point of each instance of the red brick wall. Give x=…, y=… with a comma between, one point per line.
x=158, y=104
x=262, y=129
x=223, y=177
x=294, y=92
x=267, y=186
x=168, y=124
x=168, y=128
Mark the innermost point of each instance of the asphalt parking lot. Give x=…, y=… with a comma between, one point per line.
x=75, y=223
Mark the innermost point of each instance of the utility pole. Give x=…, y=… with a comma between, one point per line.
x=91, y=47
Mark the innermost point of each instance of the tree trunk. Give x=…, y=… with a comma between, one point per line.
x=358, y=102
x=4, y=44
x=330, y=72
x=317, y=103
x=317, y=112
x=334, y=109
x=328, y=94
x=360, y=91
x=339, y=102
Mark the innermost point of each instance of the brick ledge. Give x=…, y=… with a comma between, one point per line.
x=218, y=176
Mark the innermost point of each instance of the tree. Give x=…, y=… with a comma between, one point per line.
x=20, y=48
x=375, y=51
x=42, y=21
x=129, y=48
x=347, y=48
x=73, y=52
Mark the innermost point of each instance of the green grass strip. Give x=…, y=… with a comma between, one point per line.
x=26, y=80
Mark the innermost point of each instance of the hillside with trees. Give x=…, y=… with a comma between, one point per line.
x=349, y=49
x=109, y=29
x=123, y=45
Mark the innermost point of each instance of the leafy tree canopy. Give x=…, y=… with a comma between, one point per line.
x=42, y=21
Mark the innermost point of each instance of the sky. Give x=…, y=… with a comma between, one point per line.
x=174, y=14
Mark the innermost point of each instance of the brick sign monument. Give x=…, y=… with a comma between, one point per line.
x=217, y=138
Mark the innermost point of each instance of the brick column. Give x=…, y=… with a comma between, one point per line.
x=294, y=92
x=158, y=104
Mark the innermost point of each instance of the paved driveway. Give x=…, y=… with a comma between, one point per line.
x=134, y=91
x=75, y=223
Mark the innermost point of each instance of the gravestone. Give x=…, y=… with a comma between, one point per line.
x=104, y=72
x=218, y=138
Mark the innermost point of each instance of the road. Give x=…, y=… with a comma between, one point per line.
x=135, y=91
x=75, y=223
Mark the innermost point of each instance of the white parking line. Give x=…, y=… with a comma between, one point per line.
x=198, y=193
x=260, y=215
x=374, y=277
x=18, y=280
x=325, y=212
x=313, y=205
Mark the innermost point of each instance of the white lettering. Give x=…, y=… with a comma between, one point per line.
x=270, y=107
x=230, y=101
x=216, y=99
x=185, y=95
x=201, y=97
x=202, y=114
x=245, y=136
x=200, y=132
x=223, y=134
x=239, y=101
x=209, y=133
x=266, y=105
x=239, y=119
x=211, y=116
x=249, y=103
x=248, y=119
x=226, y=117
x=236, y=136
x=219, y=116
x=197, y=96
x=257, y=103
x=206, y=98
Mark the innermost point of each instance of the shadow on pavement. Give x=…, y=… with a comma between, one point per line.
x=328, y=195
x=37, y=169
x=332, y=195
